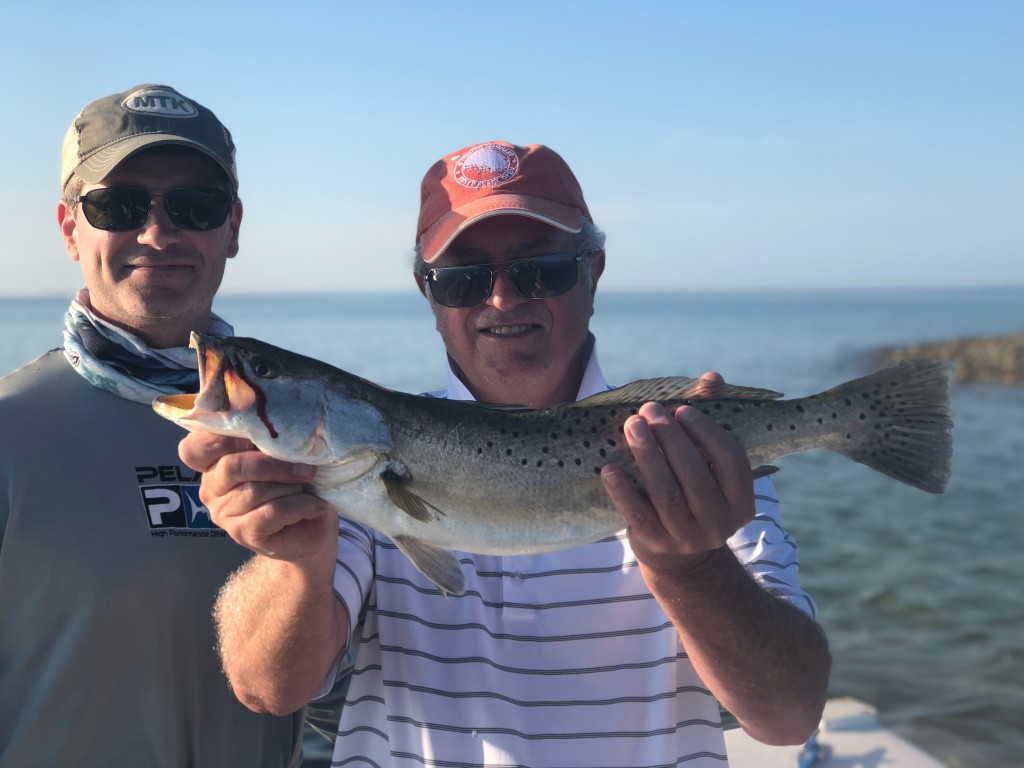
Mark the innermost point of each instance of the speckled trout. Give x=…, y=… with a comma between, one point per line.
x=440, y=475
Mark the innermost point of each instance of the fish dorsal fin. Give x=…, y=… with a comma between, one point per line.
x=407, y=501
x=670, y=388
x=492, y=406
x=438, y=565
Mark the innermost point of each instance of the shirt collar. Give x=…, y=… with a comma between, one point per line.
x=593, y=381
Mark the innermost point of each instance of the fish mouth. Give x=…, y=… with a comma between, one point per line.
x=174, y=404
x=213, y=395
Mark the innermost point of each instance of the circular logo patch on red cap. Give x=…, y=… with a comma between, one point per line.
x=486, y=165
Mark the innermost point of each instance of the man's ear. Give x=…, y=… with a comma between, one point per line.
x=596, y=268
x=235, y=223
x=68, y=228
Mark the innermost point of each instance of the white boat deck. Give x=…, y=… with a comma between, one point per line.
x=850, y=736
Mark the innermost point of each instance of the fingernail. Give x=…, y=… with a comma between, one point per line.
x=638, y=428
x=686, y=413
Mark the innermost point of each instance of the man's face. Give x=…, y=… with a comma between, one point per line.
x=511, y=349
x=158, y=280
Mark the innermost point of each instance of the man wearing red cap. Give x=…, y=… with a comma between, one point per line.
x=616, y=653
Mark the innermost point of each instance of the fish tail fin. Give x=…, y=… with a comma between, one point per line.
x=907, y=429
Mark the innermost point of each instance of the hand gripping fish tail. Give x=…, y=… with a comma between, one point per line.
x=439, y=475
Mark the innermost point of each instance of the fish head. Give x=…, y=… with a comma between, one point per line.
x=280, y=401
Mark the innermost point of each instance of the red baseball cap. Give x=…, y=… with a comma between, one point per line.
x=492, y=179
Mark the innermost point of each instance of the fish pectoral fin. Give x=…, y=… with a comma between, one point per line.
x=439, y=565
x=763, y=471
x=675, y=388
x=407, y=501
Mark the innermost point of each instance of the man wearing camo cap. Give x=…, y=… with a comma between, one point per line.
x=109, y=562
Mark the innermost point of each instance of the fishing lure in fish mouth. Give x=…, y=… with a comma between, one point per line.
x=439, y=475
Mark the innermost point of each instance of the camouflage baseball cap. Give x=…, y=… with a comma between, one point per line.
x=109, y=130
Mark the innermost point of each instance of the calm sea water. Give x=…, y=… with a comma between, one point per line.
x=921, y=595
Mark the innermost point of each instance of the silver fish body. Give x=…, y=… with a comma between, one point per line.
x=440, y=475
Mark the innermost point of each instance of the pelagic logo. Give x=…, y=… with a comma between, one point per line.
x=170, y=498
x=158, y=101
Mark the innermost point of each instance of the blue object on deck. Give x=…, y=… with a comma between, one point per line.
x=812, y=753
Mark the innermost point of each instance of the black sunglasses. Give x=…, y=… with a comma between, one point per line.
x=538, y=277
x=120, y=209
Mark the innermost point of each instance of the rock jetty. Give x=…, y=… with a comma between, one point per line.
x=995, y=359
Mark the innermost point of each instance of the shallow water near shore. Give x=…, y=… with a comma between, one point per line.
x=920, y=594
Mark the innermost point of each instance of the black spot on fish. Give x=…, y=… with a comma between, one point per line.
x=769, y=427
x=490, y=444
x=545, y=449
x=569, y=432
x=848, y=436
x=540, y=463
x=727, y=427
x=737, y=409
x=603, y=452
x=863, y=416
x=479, y=451
x=515, y=434
x=524, y=462
x=586, y=443
x=792, y=427
x=821, y=420
x=578, y=462
x=799, y=409
x=611, y=442
x=834, y=416
x=848, y=401
x=597, y=470
x=561, y=463
x=865, y=395
x=554, y=435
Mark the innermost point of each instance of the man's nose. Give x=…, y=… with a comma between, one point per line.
x=159, y=231
x=504, y=295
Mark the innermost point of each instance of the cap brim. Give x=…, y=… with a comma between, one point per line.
x=436, y=240
x=98, y=165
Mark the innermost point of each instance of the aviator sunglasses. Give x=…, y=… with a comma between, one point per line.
x=120, y=209
x=538, y=277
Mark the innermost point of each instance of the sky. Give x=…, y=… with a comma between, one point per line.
x=721, y=146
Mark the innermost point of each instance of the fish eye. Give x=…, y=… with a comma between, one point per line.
x=264, y=368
